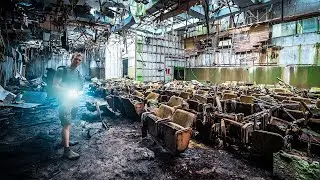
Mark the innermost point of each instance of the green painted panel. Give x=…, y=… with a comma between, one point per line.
x=139, y=47
x=276, y=30
x=266, y=75
x=313, y=76
x=317, y=54
x=298, y=76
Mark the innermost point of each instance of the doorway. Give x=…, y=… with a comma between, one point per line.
x=124, y=67
x=178, y=73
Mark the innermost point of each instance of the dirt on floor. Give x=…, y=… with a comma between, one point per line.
x=29, y=149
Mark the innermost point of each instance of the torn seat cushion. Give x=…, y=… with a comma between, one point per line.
x=129, y=107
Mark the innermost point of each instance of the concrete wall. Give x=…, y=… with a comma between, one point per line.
x=299, y=76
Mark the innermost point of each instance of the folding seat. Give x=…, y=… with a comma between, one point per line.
x=149, y=119
x=202, y=92
x=185, y=95
x=175, y=133
x=247, y=99
x=300, y=99
x=175, y=102
x=227, y=96
x=132, y=108
x=232, y=130
x=152, y=97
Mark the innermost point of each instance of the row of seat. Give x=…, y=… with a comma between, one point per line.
x=246, y=116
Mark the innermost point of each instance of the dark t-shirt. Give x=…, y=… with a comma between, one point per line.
x=70, y=78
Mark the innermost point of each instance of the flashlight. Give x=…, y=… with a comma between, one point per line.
x=74, y=93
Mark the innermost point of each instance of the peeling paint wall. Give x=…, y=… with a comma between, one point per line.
x=291, y=53
x=298, y=49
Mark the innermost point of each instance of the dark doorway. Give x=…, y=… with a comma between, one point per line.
x=124, y=67
x=178, y=73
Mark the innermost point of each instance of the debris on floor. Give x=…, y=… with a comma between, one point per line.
x=149, y=131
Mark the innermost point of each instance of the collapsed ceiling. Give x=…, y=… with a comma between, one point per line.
x=72, y=24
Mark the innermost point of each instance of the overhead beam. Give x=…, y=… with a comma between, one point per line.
x=196, y=14
x=182, y=8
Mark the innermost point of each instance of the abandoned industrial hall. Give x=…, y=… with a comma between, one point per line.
x=160, y=89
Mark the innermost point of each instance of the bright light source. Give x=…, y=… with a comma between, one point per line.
x=93, y=11
x=73, y=93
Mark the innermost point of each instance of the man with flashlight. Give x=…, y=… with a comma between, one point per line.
x=68, y=85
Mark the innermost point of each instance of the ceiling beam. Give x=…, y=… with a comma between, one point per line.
x=196, y=14
x=181, y=8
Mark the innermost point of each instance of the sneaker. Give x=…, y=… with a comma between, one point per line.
x=69, y=154
x=71, y=143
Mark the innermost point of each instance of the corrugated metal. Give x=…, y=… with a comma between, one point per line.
x=154, y=54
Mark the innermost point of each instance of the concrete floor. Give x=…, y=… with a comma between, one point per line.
x=29, y=150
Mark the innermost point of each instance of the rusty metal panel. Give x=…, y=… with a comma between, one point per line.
x=250, y=39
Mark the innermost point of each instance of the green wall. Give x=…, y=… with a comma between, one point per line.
x=299, y=76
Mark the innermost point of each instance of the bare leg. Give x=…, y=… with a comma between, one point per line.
x=66, y=135
x=68, y=153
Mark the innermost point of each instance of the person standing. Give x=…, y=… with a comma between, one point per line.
x=67, y=83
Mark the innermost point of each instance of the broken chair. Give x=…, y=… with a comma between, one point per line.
x=175, y=132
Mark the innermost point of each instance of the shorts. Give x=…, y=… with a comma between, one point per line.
x=66, y=114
